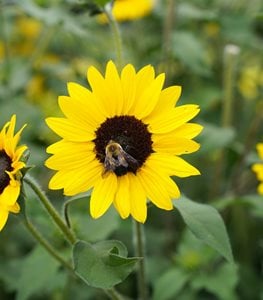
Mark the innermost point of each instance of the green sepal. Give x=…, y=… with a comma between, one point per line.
x=25, y=156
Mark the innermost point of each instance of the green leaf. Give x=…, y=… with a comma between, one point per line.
x=214, y=138
x=190, y=51
x=104, y=264
x=206, y=224
x=169, y=284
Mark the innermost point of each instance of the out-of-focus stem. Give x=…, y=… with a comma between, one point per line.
x=231, y=53
x=42, y=45
x=116, y=34
x=230, y=57
x=168, y=26
x=51, y=210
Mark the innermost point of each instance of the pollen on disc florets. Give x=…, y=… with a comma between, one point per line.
x=131, y=134
x=5, y=165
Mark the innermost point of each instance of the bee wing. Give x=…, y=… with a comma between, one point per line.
x=122, y=161
x=130, y=160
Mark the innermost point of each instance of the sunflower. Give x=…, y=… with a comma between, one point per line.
x=258, y=168
x=10, y=166
x=125, y=10
x=122, y=138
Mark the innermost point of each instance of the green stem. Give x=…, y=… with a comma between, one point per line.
x=231, y=53
x=168, y=28
x=38, y=236
x=66, y=209
x=51, y=210
x=230, y=60
x=113, y=294
x=139, y=245
x=116, y=34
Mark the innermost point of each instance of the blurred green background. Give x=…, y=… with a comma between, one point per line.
x=46, y=43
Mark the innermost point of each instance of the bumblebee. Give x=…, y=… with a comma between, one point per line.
x=116, y=157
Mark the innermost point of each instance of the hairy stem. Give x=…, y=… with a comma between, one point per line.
x=51, y=210
x=43, y=242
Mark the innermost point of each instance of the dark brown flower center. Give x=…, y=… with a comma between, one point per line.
x=131, y=141
x=5, y=165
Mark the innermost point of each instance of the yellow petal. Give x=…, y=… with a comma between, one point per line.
x=14, y=208
x=86, y=101
x=17, y=136
x=172, y=165
x=167, y=100
x=103, y=195
x=63, y=146
x=11, y=129
x=77, y=113
x=75, y=157
x=77, y=180
x=173, y=119
x=128, y=76
x=84, y=179
x=114, y=88
x=70, y=131
x=57, y=181
x=10, y=194
x=17, y=165
x=19, y=152
x=258, y=169
x=101, y=91
x=3, y=217
x=155, y=187
x=260, y=189
x=187, y=130
x=122, y=198
x=174, y=145
x=138, y=199
x=145, y=104
x=144, y=77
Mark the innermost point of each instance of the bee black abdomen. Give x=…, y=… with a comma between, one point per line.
x=121, y=170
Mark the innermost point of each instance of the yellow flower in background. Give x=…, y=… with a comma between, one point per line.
x=28, y=27
x=131, y=9
x=123, y=138
x=125, y=10
x=10, y=166
x=27, y=33
x=212, y=29
x=258, y=168
x=250, y=81
x=23, y=36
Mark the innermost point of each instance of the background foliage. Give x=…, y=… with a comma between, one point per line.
x=46, y=43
